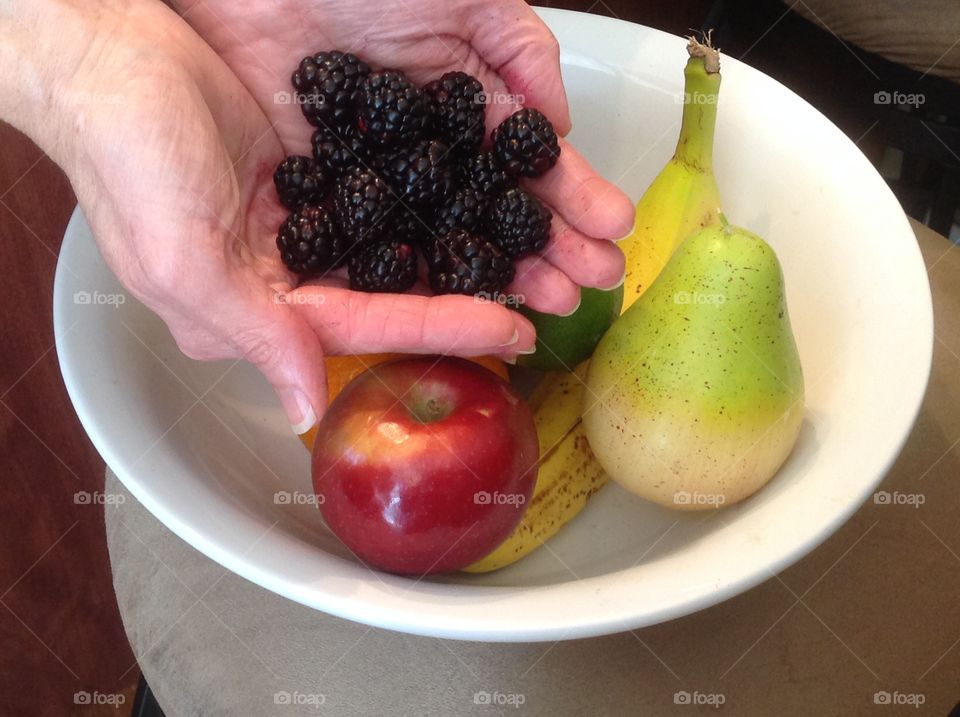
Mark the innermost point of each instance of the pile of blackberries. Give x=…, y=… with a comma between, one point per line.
x=398, y=170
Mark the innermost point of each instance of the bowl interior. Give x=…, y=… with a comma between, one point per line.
x=206, y=447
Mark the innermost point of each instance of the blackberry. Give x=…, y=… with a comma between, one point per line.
x=391, y=110
x=466, y=209
x=336, y=153
x=387, y=266
x=483, y=172
x=329, y=83
x=361, y=202
x=411, y=226
x=526, y=144
x=456, y=103
x=464, y=263
x=420, y=174
x=519, y=223
x=310, y=242
x=299, y=181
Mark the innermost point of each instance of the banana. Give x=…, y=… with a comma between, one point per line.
x=684, y=197
x=568, y=473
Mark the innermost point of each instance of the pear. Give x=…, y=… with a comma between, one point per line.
x=695, y=394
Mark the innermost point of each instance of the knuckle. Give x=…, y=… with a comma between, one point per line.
x=552, y=43
x=257, y=349
x=159, y=274
x=198, y=348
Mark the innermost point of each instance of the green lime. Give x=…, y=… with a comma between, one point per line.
x=565, y=341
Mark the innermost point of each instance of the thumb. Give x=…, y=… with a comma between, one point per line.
x=512, y=38
x=289, y=355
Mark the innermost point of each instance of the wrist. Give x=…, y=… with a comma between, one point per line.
x=43, y=44
x=52, y=49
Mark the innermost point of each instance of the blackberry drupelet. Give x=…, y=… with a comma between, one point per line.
x=299, y=181
x=464, y=263
x=519, y=223
x=336, y=153
x=391, y=110
x=311, y=243
x=466, y=209
x=526, y=144
x=408, y=224
x=484, y=173
x=421, y=174
x=385, y=266
x=329, y=83
x=456, y=103
x=361, y=202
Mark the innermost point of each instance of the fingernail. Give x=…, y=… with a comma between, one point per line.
x=512, y=360
x=299, y=410
x=513, y=339
x=623, y=278
x=574, y=309
x=531, y=350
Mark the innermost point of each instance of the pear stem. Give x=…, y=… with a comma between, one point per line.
x=700, y=93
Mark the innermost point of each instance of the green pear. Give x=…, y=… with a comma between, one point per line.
x=695, y=395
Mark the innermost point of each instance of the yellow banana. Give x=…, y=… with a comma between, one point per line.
x=684, y=196
x=568, y=474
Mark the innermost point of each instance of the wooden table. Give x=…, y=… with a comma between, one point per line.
x=872, y=614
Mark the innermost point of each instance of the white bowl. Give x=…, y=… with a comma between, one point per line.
x=860, y=304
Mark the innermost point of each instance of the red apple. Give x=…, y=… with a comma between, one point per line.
x=424, y=465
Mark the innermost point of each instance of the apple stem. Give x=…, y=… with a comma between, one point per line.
x=429, y=411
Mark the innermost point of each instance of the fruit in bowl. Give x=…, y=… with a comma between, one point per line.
x=696, y=394
x=341, y=370
x=565, y=341
x=703, y=422
x=425, y=465
x=697, y=390
x=399, y=174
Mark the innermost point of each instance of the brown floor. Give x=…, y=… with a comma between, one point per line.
x=60, y=631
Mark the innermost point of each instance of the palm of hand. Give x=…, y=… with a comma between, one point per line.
x=502, y=42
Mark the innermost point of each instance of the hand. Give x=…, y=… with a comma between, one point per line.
x=501, y=42
x=176, y=183
x=172, y=162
